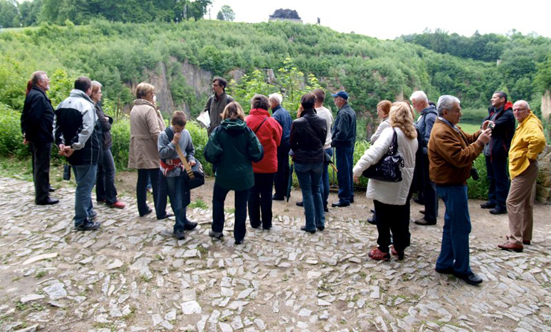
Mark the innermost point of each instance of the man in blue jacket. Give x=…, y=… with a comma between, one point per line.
x=496, y=151
x=343, y=136
x=284, y=119
x=37, y=122
x=78, y=140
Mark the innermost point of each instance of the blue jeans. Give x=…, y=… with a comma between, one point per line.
x=309, y=176
x=158, y=184
x=85, y=176
x=457, y=227
x=499, y=181
x=218, y=198
x=325, y=179
x=345, y=155
x=179, y=199
x=260, y=200
x=105, y=182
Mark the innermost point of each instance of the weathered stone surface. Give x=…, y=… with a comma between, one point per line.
x=131, y=275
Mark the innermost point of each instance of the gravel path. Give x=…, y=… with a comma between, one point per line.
x=132, y=276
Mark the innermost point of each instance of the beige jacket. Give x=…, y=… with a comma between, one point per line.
x=146, y=123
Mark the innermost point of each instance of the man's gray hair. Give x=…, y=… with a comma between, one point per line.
x=446, y=102
x=419, y=96
x=276, y=97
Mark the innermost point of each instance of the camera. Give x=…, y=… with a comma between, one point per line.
x=474, y=174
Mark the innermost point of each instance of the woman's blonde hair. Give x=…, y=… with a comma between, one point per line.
x=143, y=89
x=95, y=86
x=233, y=111
x=401, y=117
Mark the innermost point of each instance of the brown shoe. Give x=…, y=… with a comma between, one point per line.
x=526, y=242
x=511, y=246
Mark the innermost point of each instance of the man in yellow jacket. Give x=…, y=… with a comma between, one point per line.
x=528, y=142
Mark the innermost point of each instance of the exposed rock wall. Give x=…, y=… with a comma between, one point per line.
x=546, y=105
x=543, y=186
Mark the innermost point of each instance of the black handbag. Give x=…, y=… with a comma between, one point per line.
x=194, y=177
x=388, y=169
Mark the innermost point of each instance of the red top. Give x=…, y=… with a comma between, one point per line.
x=269, y=135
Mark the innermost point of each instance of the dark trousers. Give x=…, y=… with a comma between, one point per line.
x=345, y=156
x=260, y=200
x=281, y=178
x=324, y=185
x=41, y=170
x=158, y=184
x=499, y=181
x=218, y=198
x=395, y=219
x=429, y=192
x=105, y=182
x=179, y=195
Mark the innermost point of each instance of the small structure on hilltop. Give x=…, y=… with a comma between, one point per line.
x=285, y=15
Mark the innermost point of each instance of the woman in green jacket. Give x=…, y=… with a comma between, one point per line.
x=232, y=147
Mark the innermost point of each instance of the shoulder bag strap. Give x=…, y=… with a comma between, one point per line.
x=260, y=125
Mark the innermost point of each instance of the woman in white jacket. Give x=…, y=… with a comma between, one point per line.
x=391, y=198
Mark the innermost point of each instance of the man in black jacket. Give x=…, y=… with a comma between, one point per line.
x=77, y=137
x=497, y=150
x=37, y=122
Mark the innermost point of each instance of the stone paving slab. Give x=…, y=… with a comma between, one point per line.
x=131, y=276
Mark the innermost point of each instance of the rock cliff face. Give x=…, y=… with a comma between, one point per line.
x=198, y=79
x=546, y=106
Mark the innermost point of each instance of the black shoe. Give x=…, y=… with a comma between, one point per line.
x=179, y=235
x=278, y=198
x=190, y=225
x=424, y=222
x=340, y=204
x=320, y=228
x=372, y=220
x=471, y=278
x=51, y=189
x=48, y=201
x=488, y=205
x=217, y=235
x=300, y=203
x=448, y=270
x=237, y=242
x=146, y=213
x=498, y=211
x=166, y=216
x=325, y=208
x=87, y=226
x=303, y=228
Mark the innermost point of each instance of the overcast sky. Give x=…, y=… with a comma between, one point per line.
x=387, y=19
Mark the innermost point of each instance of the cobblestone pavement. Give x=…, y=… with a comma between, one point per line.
x=132, y=276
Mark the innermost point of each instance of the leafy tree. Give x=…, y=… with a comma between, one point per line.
x=285, y=13
x=30, y=11
x=226, y=14
x=9, y=15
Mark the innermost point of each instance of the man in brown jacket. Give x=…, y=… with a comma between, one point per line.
x=451, y=154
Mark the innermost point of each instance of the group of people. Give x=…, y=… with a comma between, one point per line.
x=250, y=156
x=81, y=131
x=438, y=164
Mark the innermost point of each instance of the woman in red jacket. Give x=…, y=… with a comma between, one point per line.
x=269, y=132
